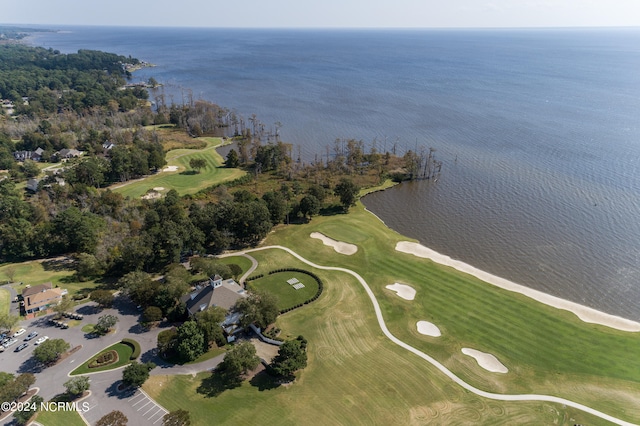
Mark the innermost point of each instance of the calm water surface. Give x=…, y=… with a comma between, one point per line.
x=538, y=130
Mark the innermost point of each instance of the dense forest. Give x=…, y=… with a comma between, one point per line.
x=108, y=234
x=53, y=82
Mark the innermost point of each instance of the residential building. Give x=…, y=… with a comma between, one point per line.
x=41, y=297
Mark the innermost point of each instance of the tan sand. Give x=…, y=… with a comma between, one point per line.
x=339, y=246
x=158, y=188
x=403, y=290
x=585, y=313
x=428, y=328
x=486, y=361
x=170, y=169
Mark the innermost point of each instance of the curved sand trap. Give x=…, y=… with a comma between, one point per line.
x=403, y=290
x=429, y=329
x=170, y=169
x=339, y=246
x=151, y=195
x=158, y=188
x=486, y=361
x=585, y=313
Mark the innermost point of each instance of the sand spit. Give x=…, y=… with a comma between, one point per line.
x=486, y=361
x=403, y=290
x=585, y=313
x=428, y=329
x=170, y=169
x=339, y=246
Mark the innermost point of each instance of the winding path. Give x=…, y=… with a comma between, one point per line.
x=434, y=362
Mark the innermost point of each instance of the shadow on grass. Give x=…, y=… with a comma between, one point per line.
x=332, y=210
x=218, y=382
x=264, y=381
x=63, y=264
x=189, y=172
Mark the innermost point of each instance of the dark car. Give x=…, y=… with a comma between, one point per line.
x=31, y=336
x=21, y=347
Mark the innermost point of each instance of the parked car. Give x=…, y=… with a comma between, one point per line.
x=10, y=342
x=21, y=347
x=31, y=336
x=19, y=332
x=42, y=339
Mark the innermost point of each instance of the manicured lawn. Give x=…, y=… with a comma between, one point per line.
x=354, y=376
x=124, y=352
x=183, y=179
x=60, y=418
x=241, y=261
x=546, y=350
x=59, y=273
x=288, y=296
x=5, y=301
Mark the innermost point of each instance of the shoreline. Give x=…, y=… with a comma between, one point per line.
x=584, y=313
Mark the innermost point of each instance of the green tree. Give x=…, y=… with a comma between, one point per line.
x=105, y=323
x=177, y=418
x=239, y=360
x=136, y=374
x=233, y=160
x=197, y=164
x=65, y=305
x=50, y=350
x=209, y=322
x=152, y=314
x=277, y=206
x=309, y=206
x=8, y=321
x=167, y=341
x=15, y=387
x=30, y=168
x=140, y=287
x=210, y=267
x=104, y=298
x=190, y=341
x=88, y=266
x=348, y=192
x=292, y=356
x=77, y=385
x=23, y=416
x=259, y=308
x=114, y=418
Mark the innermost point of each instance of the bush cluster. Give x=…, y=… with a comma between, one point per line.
x=135, y=346
x=104, y=359
x=255, y=277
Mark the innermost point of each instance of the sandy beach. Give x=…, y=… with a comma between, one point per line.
x=585, y=313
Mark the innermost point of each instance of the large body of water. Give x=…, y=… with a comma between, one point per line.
x=538, y=130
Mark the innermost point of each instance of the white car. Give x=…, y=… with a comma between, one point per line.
x=40, y=340
x=19, y=332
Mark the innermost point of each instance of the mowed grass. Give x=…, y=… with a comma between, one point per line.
x=60, y=418
x=546, y=350
x=124, y=352
x=5, y=301
x=57, y=271
x=241, y=261
x=354, y=376
x=288, y=296
x=184, y=179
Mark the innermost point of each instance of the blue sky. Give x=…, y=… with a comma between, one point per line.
x=325, y=13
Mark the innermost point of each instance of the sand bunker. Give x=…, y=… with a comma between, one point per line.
x=486, y=361
x=403, y=290
x=151, y=195
x=158, y=188
x=585, y=313
x=429, y=329
x=339, y=246
x=170, y=169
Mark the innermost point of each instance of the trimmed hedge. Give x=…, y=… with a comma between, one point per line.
x=135, y=346
x=302, y=271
